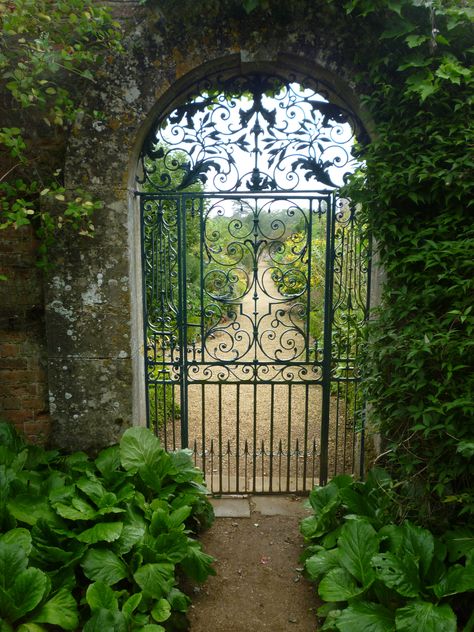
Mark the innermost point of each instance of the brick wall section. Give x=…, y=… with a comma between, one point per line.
x=23, y=379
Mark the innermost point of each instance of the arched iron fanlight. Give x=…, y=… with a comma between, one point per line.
x=256, y=133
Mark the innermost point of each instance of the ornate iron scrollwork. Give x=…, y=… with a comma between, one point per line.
x=288, y=138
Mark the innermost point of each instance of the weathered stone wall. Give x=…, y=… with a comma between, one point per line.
x=93, y=297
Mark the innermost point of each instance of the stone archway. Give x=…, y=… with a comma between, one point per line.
x=94, y=296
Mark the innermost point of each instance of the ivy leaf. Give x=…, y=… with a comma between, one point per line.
x=416, y=40
x=426, y=616
x=365, y=616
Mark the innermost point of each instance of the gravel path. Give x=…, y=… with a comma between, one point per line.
x=277, y=419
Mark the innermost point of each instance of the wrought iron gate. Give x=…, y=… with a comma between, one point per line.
x=255, y=291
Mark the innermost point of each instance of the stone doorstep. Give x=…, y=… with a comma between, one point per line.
x=269, y=505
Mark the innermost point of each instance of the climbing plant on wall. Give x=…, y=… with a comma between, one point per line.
x=48, y=49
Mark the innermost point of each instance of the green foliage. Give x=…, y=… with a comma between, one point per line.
x=45, y=47
x=415, y=192
x=378, y=571
x=117, y=528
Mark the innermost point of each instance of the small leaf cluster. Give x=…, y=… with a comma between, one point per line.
x=97, y=544
x=46, y=50
x=378, y=572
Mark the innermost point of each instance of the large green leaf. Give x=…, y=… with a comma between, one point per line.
x=100, y=532
x=426, y=616
x=26, y=592
x=184, y=469
x=161, y=611
x=60, y=610
x=364, y=616
x=99, y=595
x=108, y=461
x=13, y=560
x=458, y=579
x=156, y=580
x=139, y=448
x=131, y=605
x=460, y=543
x=399, y=573
x=29, y=508
x=321, y=563
x=19, y=538
x=419, y=543
x=197, y=564
x=339, y=585
x=78, y=510
x=178, y=600
x=26, y=627
x=104, y=565
x=104, y=620
x=358, y=543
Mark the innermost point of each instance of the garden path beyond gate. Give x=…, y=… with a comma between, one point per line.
x=255, y=283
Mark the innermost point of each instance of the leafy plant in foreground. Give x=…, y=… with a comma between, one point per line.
x=107, y=537
x=381, y=575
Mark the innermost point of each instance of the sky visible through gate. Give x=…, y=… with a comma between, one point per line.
x=290, y=115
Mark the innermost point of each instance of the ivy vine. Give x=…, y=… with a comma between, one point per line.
x=47, y=49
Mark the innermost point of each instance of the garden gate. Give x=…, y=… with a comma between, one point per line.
x=255, y=283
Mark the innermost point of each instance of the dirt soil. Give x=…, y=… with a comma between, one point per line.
x=259, y=584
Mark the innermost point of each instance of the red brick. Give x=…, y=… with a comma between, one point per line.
x=10, y=403
x=9, y=350
x=15, y=364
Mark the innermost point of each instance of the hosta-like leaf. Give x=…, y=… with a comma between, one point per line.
x=29, y=508
x=339, y=585
x=139, y=448
x=457, y=580
x=178, y=600
x=426, y=616
x=13, y=560
x=131, y=534
x=103, y=620
x=131, y=605
x=321, y=563
x=419, y=543
x=103, y=531
x=27, y=591
x=25, y=627
x=80, y=510
x=358, y=543
x=161, y=611
x=18, y=538
x=197, y=564
x=104, y=565
x=155, y=580
x=364, y=616
x=399, y=573
x=99, y=595
x=108, y=461
x=60, y=610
